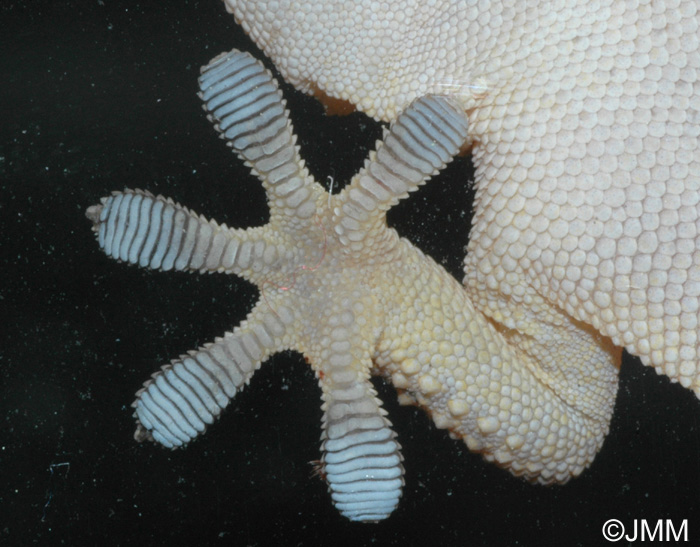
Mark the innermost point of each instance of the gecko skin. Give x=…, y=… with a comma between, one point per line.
x=583, y=123
x=584, y=119
x=318, y=296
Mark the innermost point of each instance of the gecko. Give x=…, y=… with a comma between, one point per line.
x=582, y=119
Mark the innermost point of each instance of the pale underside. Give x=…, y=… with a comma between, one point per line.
x=583, y=120
x=584, y=123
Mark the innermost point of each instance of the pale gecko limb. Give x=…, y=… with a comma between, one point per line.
x=187, y=395
x=139, y=228
x=361, y=457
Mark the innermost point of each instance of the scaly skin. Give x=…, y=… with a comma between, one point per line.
x=584, y=123
x=341, y=287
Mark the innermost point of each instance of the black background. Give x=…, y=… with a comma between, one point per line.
x=99, y=95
